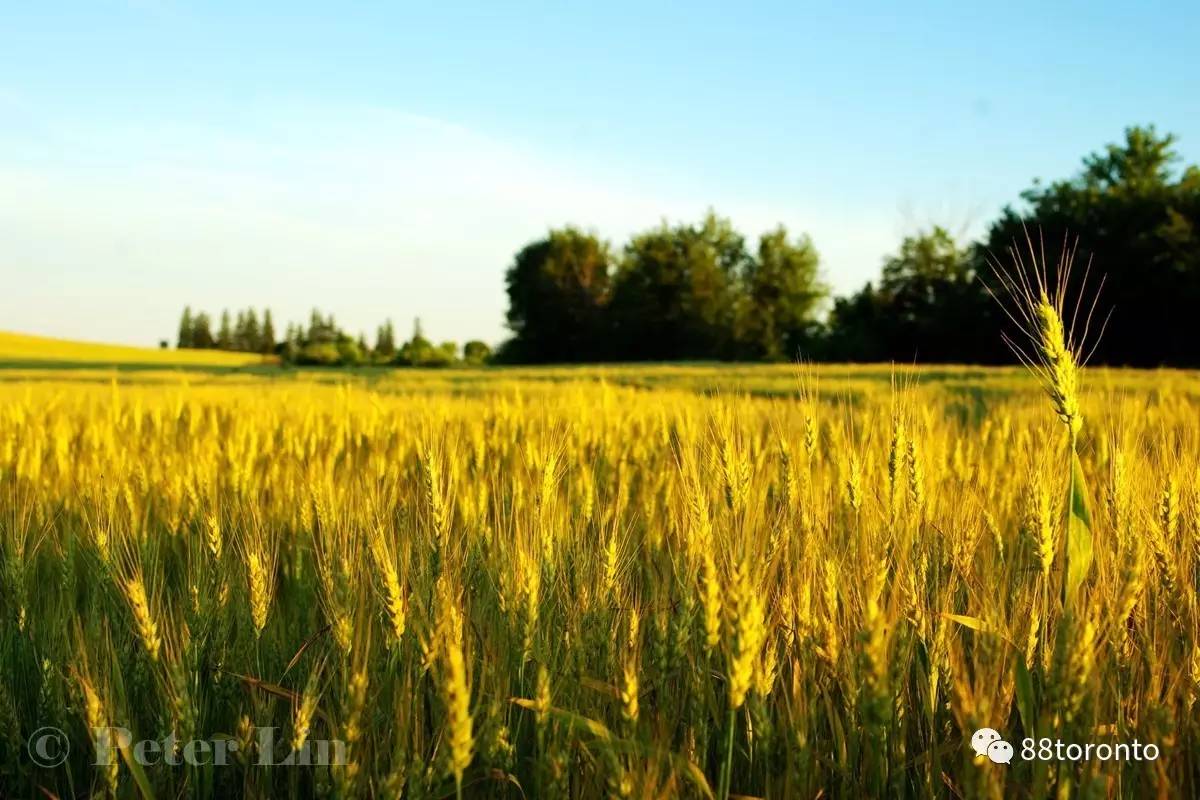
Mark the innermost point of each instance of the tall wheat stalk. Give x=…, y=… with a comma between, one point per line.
x=1045, y=308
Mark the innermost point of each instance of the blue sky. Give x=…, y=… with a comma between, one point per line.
x=386, y=159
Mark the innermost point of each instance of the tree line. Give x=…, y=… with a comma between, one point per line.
x=675, y=292
x=701, y=291
x=322, y=342
x=247, y=335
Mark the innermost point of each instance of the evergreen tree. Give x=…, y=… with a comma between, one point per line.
x=202, y=336
x=418, y=350
x=225, y=332
x=186, y=336
x=321, y=329
x=252, y=335
x=385, y=341
x=782, y=290
x=266, y=344
x=239, y=332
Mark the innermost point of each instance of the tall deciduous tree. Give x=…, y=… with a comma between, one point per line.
x=675, y=293
x=929, y=305
x=557, y=291
x=1136, y=216
x=782, y=294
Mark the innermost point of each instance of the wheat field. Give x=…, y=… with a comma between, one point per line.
x=24, y=350
x=627, y=582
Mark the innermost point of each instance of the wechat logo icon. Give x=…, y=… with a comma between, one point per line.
x=988, y=742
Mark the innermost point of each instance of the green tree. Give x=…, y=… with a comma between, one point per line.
x=225, y=332
x=857, y=329
x=293, y=342
x=929, y=305
x=676, y=291
x=186, y=334
x=557, y=290
x=476, y=352
x=351, y=353
x=443, y=355
x=1140, y=165
x=202, y=336
x=267, y=338
x=320, y=354
x=385, y=341
x=783, y=293
x=251, y=334
x=1134, y=214
x=923, y=262
x=321, y=329
x=417, y=351
x=238, y=339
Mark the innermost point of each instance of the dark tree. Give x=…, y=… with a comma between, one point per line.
x=186, y=334
x=238, y=340
x=856, y=329
x=1136, y=218
x=675, y=292
x=783, y=291
x=417, y=351
x=929, y=306
x=225, y=332
x=385, y=341
x=321, y=329
x=202, y=336
x=267, y=337
x=557, y=291
x=476, y=352
x=251, y=335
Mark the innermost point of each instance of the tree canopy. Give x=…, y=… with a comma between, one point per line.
x=685, y=291
x=322, y=342
x=701, y=291
x=929, y=305
x=557, y=290
x=697, y=291
x=1134, y=215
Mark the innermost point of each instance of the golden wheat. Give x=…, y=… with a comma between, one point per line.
x=585, y=583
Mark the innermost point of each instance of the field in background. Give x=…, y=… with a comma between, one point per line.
x=623, y=581
x=963, y=391
x=19, y=349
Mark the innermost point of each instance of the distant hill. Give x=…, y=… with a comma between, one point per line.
x=20, y=348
